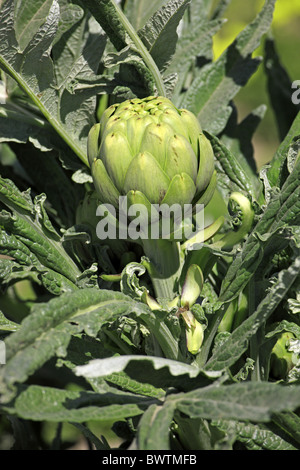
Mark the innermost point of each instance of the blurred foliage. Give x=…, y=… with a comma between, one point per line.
x=286, y=32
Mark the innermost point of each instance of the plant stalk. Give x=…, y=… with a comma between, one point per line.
x=164, y=266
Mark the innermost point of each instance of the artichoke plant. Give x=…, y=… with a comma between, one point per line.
x=153, y=153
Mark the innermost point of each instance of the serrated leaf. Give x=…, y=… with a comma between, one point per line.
x=216, y=85
x=159, y=34
x=237, y=343
x=155, y=421
x=282, y=210
x=231, y=174
x=46, y=332
x=254, y=401
x=255, y=436
x=39, y=403
x=29, y=17
x=139, y=11
x=34, y=72
x=195, y=44
x=276, y=169
x=279, y=88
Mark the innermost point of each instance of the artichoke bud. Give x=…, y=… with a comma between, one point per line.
x=281, y=358
x=149, y=146
x=194, y=332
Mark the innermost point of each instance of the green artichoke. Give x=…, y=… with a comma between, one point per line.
x=151, y=152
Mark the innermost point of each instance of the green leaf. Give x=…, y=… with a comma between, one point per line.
x=122, y=34
x=35, y=73
x=215, y=86
x=282, y=210
x=254, y=436
x=253, y=401
x=194, y=44
x=46, y=332
x=103, y=367
x=39, y=403
x=139, y=11
x=289, y=422
x=237, y=343
x=46, y=171
x=28, y=235
x=279, y=88
x=159, y=33
x=275, y=170
x=155, y=421
x=238, y=137
x=231, y=174
x=7, y=325
x=199, y=10
x=29, y=17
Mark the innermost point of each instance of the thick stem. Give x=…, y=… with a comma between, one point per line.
x=164, y=266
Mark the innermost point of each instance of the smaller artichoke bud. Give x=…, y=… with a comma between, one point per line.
x=194, y=332
x=281, y=358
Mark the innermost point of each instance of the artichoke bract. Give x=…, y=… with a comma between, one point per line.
x=151, y=152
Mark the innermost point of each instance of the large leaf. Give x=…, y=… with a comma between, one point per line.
x=279, y=87
x=194, y=47
x=46, y=332
x=160, y=32
x=50, y=404
x=282, y=210
x=217, y=83
x=276, y=168
x=253, y=401
x=35, y=73
x=29, y=239
x=123, y=36
x=237, y=343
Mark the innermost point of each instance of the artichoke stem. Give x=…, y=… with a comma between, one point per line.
x=164, y=266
